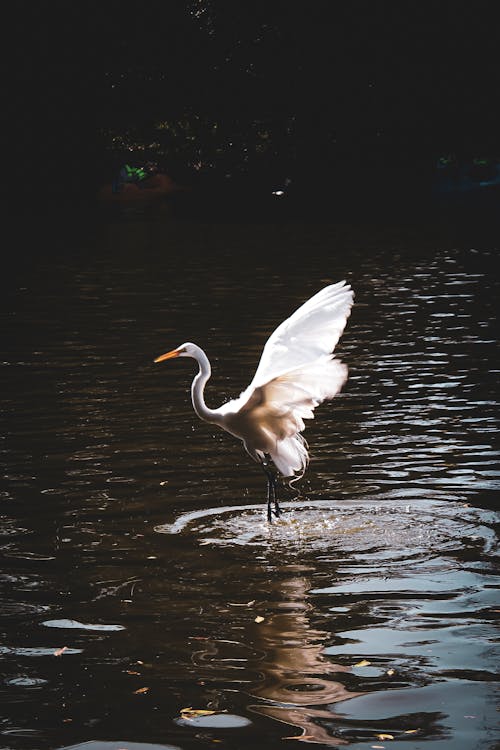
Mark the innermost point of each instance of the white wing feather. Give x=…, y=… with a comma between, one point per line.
x=296, y=372
x=311, y=332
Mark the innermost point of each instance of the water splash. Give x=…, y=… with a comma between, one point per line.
x=365, y=528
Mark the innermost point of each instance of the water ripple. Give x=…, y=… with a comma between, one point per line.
x=378, y=527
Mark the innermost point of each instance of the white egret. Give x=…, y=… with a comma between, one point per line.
x=296, y=372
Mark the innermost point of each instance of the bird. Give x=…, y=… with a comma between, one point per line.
x=297, y=371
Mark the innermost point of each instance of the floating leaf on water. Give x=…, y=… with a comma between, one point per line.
x=385, y=736
x=411, y=731
x=141, y=690
x=191, y=713
x=259, y=619
x=363, y=663
x=60, y=651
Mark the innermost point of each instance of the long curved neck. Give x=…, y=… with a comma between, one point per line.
x=198, y=388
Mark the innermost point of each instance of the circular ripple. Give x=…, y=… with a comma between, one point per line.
x=384, y=527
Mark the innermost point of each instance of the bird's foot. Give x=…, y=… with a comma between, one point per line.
x=273, y=512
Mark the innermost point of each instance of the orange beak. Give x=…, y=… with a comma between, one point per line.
x=168, y=355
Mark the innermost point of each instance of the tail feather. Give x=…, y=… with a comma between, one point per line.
x=290, y=456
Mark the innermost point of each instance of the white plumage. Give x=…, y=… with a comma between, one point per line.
x=296, y=372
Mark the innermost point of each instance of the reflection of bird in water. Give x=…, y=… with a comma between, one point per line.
x=279, y=659
x=300, y=684
x=296, y=372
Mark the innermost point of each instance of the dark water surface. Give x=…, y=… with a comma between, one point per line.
x=133, y=538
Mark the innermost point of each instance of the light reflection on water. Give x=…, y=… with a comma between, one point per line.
x=378, y=590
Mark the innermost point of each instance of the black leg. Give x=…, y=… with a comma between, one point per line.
x=272, y=493
x=277, y=509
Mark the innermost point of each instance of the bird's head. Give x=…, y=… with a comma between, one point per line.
x=184, y=350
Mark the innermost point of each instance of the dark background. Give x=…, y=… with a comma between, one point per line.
x=337, y=101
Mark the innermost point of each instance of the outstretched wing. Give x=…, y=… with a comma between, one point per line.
x=310, y=333
x=296, y=372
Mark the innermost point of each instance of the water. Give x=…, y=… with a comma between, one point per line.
x=139, y=575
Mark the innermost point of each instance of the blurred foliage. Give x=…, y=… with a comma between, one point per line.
x=271, y=89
